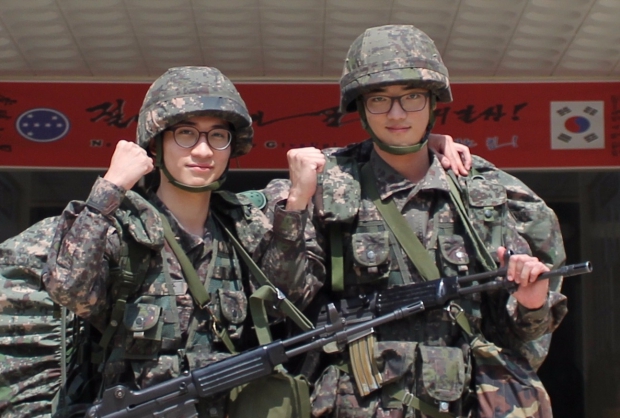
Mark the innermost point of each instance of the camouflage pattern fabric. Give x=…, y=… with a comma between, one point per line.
x=409, y=57
x=539, y=226
x=184, y=92
x=30, y=334
x=87, y=243
x=427, y=208
x=504, y=380
x=298, y=269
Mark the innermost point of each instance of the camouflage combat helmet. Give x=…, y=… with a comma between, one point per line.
x=184, y=92
x=392, y=54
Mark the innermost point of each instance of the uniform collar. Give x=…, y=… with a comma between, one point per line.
x=187, y=241
x=389, y=181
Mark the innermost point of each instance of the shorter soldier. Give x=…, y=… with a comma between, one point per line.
x=119, y=247
x=422, y=365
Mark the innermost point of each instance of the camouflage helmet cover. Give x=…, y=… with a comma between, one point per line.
x=184, y=92
x=392, y=54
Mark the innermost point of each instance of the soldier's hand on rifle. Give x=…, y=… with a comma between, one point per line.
x=524, y=270
x=450, y=154
x=129, y=163
x=304, y=165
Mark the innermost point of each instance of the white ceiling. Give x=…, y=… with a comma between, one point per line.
x=301, y=39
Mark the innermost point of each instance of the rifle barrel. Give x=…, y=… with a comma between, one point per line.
x=566, y=271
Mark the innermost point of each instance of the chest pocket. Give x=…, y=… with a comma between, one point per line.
x=224, y=272
x=487, y=202
x=455, y=259
x=369, y=253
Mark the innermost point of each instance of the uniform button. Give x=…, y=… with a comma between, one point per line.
x=371, y=255
x=459, y=254
x=488, y=213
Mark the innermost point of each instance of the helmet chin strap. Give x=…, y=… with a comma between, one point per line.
x=398, y=149
x=159, y=163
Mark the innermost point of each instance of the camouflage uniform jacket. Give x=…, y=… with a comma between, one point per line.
x=161, y=320
x=428, y=210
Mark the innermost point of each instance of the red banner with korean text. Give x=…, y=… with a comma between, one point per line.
x=514, y=125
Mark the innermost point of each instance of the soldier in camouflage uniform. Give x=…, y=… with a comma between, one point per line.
x=422, y=365
x=192, y=122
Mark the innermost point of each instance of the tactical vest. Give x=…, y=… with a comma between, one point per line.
x=150, y=327
x=145, y=323
x=55, y=375
x=365, y=253
x=371, y=254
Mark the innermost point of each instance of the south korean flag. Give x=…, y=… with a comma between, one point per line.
x=577, y=125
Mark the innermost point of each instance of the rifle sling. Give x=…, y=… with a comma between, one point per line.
x=481, y=251
x=397, y=223
x=127, y=278
x=196, y=288
x=335, y=237
x=269, y=293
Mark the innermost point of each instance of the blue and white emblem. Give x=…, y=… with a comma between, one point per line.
x=42, y=125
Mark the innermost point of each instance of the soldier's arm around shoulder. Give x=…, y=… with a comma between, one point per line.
x=535, y=221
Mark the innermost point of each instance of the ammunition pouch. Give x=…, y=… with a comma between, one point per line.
x=441, y=375
x=432, y=379
x=279, y=395
x=371, y=255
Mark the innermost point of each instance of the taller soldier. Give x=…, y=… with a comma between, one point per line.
x=421, y=366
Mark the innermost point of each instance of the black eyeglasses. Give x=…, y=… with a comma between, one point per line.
x=188, y=136
x=410, y=102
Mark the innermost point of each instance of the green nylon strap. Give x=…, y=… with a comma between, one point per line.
x=128, y=277
x=285, y=305
x=335, y=237
x=407, y=398
x=196, y=288
x=118, y=312
x=481, y=251
x=259, y=312
x=463, y=322
x=400, y=228
x=63, y=346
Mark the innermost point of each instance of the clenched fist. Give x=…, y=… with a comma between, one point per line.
x=304, y=165
x=129, y=163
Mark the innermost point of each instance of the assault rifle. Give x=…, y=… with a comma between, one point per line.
x=435, y=293
x=178, y=397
